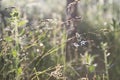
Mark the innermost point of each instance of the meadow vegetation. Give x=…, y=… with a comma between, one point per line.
x=34, y=36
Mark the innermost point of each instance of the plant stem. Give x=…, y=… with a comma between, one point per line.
x=106, y=64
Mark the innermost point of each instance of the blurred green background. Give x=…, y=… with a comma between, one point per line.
x=33, y=40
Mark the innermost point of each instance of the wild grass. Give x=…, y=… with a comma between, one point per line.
x=39, y=52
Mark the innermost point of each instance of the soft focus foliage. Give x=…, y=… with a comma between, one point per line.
x=33, y=40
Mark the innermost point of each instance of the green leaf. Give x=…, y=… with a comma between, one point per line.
x=14, y=53
x=21, y=23
x=8, y=39
x=19, y=71
x=22, y=32
x=91, y=68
